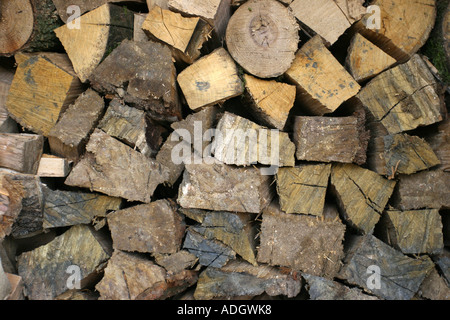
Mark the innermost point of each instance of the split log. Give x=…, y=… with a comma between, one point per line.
x=155, y=227
x=302, y=189
x=325, y=18
x=191, y=134
x=271, y=101
x=236, y=230
x=68, y=208
x=324, y=289
x=440, y=143
x=26, y=202
x=129, y=276
x=185, y=35
x=177, y=261
x=44, y=85
x=328, y=139
x=62, y=6
x=210, y=252
x=10, y=207
x=210, y=80
x=163, y=4
x=361, y=194
x=117, y=170
x=53, y=167
x=99, y=32
x=138, y=33
x=322, y=82
x=68, y=138
x=215, y=12
x=434, y=287
x=427, y=189
x=5, y=285
x=403, y=98
x=127, y=124
x=402, y=28
x=239, y=141
x=27, y=25
x=301, y=242
x=399, y=276
x=143, y=74
x=401, y=154
x=239, y=279
x=21, y=152
x=7, y=125
x=442, y=262
x=262, y=36
x=16, y=287
x=220, y=187
x=354, y=10
x=365, y=60
x=413, y=231
x=79, y=249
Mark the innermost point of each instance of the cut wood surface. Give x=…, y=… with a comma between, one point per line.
x=115, y=169
x=210, y=80
x=44, y=85
x=403, y=98
x=262, y=36
x=69, y=136
x=53, y=166
x=27, y=25
x=99, y=32
x=21, y=152
x=322, y=82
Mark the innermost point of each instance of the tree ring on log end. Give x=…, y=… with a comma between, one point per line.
x=262, y=37
x=16, y=25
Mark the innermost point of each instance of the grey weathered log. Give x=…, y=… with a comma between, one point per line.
x=434, y=287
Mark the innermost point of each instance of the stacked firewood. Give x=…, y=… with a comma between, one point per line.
x=218, y=149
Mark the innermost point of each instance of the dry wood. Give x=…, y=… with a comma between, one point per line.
x=186, y=35
x=403, y=98
x=401, y=154
x=154, y=227
x=215, y=12
x=401, y=276
x=324, y=17
x=329, y=139
x=27, y=25
x=239, y=279
x=143, y=74
x=21, y=152
x=177, y=261
x=413, y=231
x=5, y=285
x=301, y=242
x=16, y=287
x=434, y=287
x=68, y=138
x=302, y=189
x=262, y=36
x=100, y=31
x=44, y=85
x=210, y=80
x=220, y=187
x=440, y=143
x=138, y=33
x=271, y=101
x=79, y=246
x=426, y=189
x=322, y=82
x=404, y=26
x=68, y=208
x=127, y=124
x=53, y=167
x=115, y=169
x=7, y=125
x=362, y=195
x=354, y=10
x=365, y=60
x=236, y=230
x=239, y=141
x=160, y=3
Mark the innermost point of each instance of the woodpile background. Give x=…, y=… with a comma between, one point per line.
x=93, y=204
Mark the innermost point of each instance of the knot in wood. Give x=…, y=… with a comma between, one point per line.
x=263, y=30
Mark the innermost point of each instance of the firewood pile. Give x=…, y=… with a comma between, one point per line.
x=222, y=149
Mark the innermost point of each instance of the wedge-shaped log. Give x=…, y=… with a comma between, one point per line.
x=403, y=98
x=220, y=187
x=301, y=242
x=98, y=33
x=322, y=82
x=117, y=170
x=79, y=252
x=21, y=152
x=44, y=85
x=362, y=195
